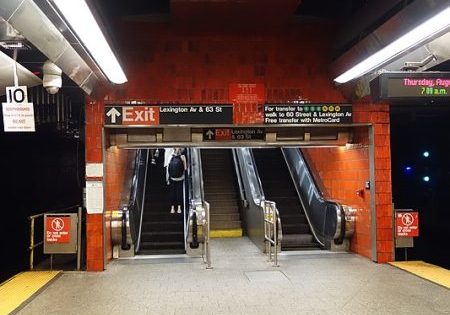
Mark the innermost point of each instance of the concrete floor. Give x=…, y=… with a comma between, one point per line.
x=243, y=282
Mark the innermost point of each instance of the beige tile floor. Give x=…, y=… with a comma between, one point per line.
x=243, y=282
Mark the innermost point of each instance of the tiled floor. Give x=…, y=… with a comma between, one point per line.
x=243, y=282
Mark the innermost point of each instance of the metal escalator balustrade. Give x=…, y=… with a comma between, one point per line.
x=254, y=205
x=277, y=185
x=198, y=218
x=126, y=222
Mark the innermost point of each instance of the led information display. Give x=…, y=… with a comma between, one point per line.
x=317, y=114
x=411, y=85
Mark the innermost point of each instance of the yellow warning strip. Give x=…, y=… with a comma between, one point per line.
x=17, y=290
x=225, y=233
x=427, y=271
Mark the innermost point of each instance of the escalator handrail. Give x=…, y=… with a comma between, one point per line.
x=238, y=175
x=258, y=178
x=261, y=192
x=196, y=193
x=257, y=197
x=132, y=202
x=340, y=231
x=138, y=242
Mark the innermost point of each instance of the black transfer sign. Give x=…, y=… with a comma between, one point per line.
x=151, y=115
x=233, y=134
x=316, y=114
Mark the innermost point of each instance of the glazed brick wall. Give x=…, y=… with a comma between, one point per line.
x=169, y=64
x=94, y=222
x=378, y=114
x=116, y=166
x=343, y=172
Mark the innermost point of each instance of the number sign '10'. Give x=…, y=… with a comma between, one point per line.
x=16, y=94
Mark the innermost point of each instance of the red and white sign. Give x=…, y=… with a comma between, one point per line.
x=223, y=134
x=140, y=115
x=132, y=115
x=407, y=223
x=57, y=230
x=247, y=93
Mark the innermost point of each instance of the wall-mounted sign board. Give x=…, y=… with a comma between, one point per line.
x=234, y=134
x=18, y=113
x=411, y=86
x=316, y=114
x=222, y=114
x=151, y=115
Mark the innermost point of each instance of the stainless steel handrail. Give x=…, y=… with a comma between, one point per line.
x=238, y=176
x=206, y=247
x=300, y=171
x=138, y=241
x=255, y=195
x=271, y=221
x=34, y=245
x=199, y=207
x=313, y=230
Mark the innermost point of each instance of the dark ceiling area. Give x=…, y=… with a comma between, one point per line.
x=335, y=9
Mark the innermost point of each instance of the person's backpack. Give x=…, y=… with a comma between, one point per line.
x=176, y=167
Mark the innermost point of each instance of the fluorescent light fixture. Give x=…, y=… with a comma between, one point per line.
x=424, y=31
x=82, y=22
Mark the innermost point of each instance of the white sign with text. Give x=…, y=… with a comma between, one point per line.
x=18, y=114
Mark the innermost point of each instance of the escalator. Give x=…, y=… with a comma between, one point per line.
x=278, y=186
x=221, y=192
x=162, y=232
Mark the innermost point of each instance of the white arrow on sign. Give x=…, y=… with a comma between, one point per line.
x=209, y=134
x=113, y=113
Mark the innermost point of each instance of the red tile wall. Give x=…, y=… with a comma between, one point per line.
x=94, y=222
x=344, y=171
x=116, y=165
x=378, y=115
x=169, y=64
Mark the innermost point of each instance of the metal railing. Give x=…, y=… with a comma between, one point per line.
x=326, y=218
x=205, y=248
x=272, y=230
x=34, y=245
x=199, y=208
x=139, y=204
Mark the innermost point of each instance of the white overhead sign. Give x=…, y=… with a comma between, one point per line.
x=18, y=114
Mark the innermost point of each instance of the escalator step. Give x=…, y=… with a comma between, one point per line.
x=162, y=245
x=298, y=241
x=218, y=225
x=161, y=216
x=162, y=236
x=162, y=226
x=295, y=228
x=233, y=216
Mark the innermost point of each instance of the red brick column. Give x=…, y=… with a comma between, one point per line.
x=94, y=154
x=378, y=114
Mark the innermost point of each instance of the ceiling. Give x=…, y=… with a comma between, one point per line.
x=356, y=19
